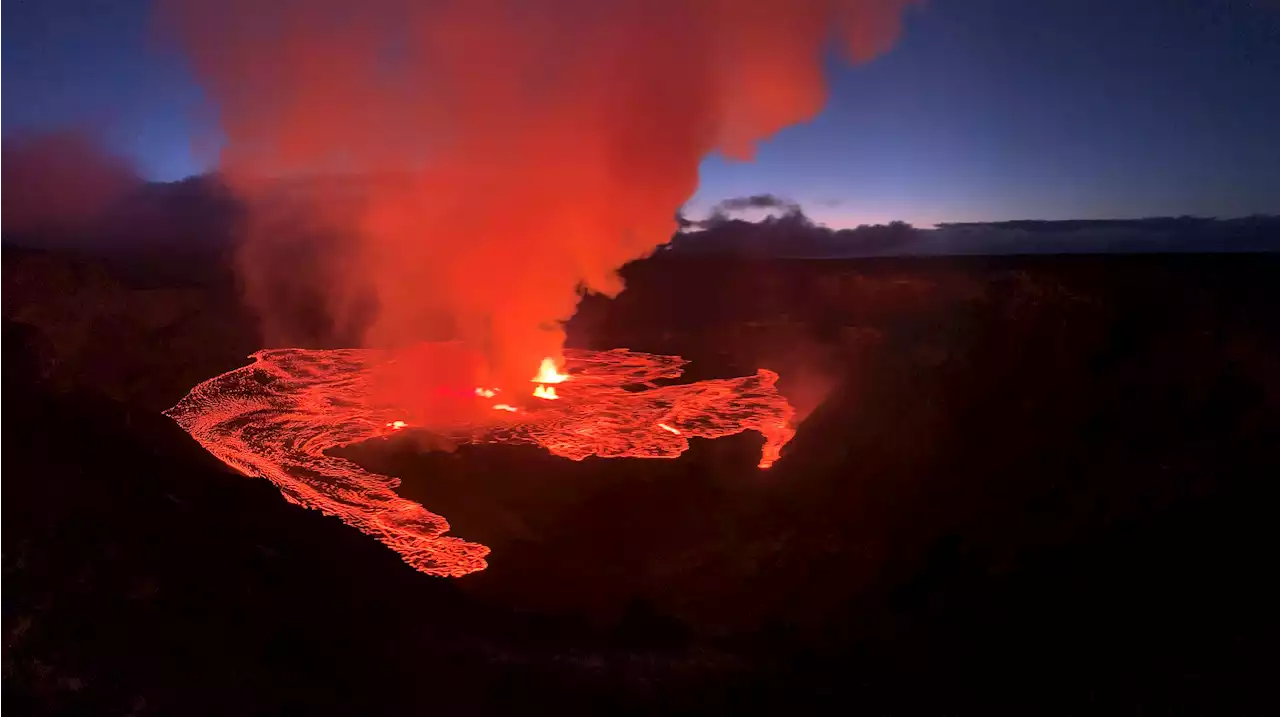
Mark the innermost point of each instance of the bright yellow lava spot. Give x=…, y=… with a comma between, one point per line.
x=548, y=373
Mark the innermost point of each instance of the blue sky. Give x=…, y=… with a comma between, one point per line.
x=986, y=109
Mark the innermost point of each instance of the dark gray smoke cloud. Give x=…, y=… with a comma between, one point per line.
x=756, y=201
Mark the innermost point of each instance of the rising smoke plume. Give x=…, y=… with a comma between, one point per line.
x=462, y=169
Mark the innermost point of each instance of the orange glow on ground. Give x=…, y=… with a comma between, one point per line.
x=278, y=417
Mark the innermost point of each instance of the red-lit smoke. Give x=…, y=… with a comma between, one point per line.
x=459, y=169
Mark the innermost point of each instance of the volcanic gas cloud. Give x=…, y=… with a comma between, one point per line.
x=459, y=171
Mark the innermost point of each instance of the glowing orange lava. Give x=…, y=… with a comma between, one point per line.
x=548, y=373
x=278, y=417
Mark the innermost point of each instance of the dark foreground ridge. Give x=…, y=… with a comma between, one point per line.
x=1035, y=486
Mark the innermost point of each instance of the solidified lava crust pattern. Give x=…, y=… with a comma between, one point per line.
x=278, y=417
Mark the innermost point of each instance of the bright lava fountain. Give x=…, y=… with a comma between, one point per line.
x=278, y=417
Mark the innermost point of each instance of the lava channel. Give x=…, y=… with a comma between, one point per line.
x=277, y=418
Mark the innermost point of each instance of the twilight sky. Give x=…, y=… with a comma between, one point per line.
x=985, y=110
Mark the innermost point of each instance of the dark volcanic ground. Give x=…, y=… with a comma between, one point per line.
x=1035, y=486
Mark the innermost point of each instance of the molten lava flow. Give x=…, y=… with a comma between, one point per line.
x=278, y=417
x=546, y=392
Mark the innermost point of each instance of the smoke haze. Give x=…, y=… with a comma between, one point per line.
x=59, y=182
x=510, y=153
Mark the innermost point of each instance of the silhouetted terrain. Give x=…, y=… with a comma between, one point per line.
x=1036, y=485
x=139, y=226
x=792, y=234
